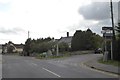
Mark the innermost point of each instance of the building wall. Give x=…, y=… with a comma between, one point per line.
x=19, y=49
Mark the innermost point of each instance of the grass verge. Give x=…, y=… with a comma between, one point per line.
x=64, y=54
x=110, y=62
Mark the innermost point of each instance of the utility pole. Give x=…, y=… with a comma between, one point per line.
x=57, y=50
x=113, y=37
x=112, y=18
x=28, y=34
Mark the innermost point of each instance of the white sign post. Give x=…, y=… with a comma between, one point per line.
x=107, y=34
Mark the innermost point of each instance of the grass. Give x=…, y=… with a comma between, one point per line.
x=110, y=62
x=39, y=56
x=65, y=54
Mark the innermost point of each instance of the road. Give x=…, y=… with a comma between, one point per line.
x=69, y=67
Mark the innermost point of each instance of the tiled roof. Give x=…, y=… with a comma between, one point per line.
x=16, y=45
x=65, y=39
x=19, y=45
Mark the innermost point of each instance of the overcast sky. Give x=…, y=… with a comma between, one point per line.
x=51, y=18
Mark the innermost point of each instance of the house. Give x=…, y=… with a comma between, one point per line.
x=19, y=47
x=15, y=47
x=67, y=40
x=4, y=48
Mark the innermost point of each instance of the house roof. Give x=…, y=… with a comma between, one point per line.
x=65, y=39
x=19, y=45
x=16, y=45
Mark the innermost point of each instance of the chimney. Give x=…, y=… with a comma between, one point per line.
x=67, y=34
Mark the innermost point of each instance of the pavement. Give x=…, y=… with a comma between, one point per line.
x=94, y=64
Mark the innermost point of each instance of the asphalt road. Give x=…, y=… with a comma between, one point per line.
x=70, y=67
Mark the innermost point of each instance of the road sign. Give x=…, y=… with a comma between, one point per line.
x=107, y=28
x=108, y=35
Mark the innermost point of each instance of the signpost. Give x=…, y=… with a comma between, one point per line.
x=107, y=28
x=107, y=34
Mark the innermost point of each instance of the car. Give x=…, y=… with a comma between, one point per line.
x=98, y=51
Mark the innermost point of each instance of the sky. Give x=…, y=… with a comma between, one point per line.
x=52, y=18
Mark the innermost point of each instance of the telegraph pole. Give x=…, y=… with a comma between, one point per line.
x=112, y=19
x=28, y=34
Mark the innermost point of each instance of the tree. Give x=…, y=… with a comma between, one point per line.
x=96, y=40
x=27, y=47
x=75, y=40
x=38, y=46
x=85, y=40
x=10, y=47
x=118, y=30
x=89, y=37
x=118, y=42
x=63, y=47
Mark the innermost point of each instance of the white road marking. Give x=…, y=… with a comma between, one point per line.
x=34, y=64
x=51, y=72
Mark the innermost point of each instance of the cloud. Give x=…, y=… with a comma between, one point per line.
x=4, y=6
x=106, y=22
x=97, y=28
x=119, y=11
x=97, y=10
x=11, y=31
